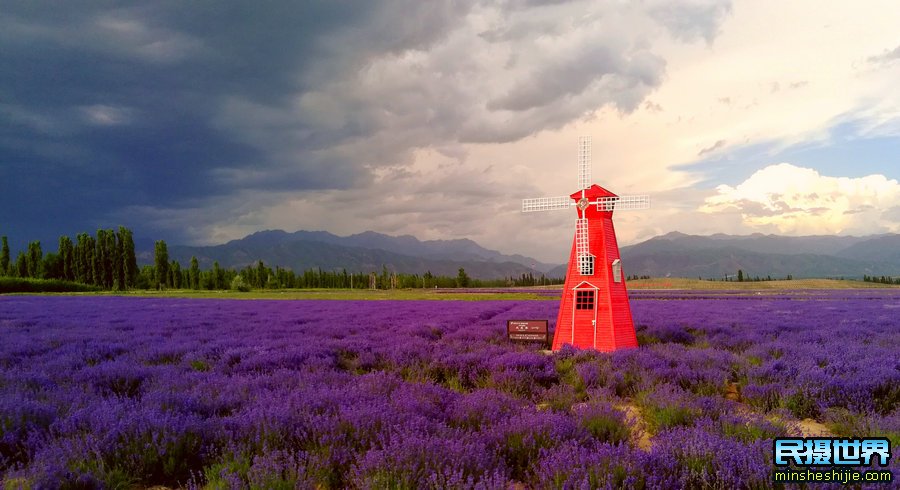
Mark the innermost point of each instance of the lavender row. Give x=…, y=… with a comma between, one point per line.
x=100, y=392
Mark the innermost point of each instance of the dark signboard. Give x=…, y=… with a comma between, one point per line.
x=528, y=330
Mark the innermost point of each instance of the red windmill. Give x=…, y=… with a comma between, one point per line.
x=594, y=311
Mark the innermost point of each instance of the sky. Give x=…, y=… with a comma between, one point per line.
x=200, y=123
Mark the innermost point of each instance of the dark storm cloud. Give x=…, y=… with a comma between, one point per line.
x=104, y=108
x=208, y=106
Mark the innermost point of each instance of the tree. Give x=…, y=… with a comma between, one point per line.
x=238, y=284
x=112, y=260
x=175, y=275
x=119, y=262
x=262, y=275
x=33, y=260
x=66, y=258
x=218, y=276
x=129, y=259
x=740, y=275
x=462, y=279
x=4, y=258
x=94, y=261
x=162, y=263
x=102, y=259
x=52, y=266
x=194, y=273
x=21, y=265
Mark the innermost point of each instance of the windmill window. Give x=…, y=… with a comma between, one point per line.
x=584, y=300
x=586, y=265
x=617, y=270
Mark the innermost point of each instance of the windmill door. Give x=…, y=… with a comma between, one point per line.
x=584, y=316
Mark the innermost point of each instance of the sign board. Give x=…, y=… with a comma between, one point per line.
x=528, y=330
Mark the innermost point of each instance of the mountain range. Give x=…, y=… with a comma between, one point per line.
x=674, y=254
x=363, y=252
x=679, y=255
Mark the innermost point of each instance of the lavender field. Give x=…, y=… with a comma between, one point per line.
x=111, y=392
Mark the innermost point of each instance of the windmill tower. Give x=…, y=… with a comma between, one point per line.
x=594, y=311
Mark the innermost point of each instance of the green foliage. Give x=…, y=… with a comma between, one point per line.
x=238, y=284
x=200, y=365
x=606, y=427
x=21, y=267
x=561, y=397
x=161, y=256
x=194, y=274
x=4, y=257
x=801, y=405
x=16, y=484
x=33, y=261
x=749, y=431
x=28, y=285
x=462, y=279
x=663, y=413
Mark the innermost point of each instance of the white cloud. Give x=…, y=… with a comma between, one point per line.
x=799, y=201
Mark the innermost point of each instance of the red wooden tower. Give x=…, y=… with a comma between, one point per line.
x=594, y=311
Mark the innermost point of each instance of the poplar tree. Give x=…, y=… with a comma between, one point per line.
x=175, y=275
x=33, y=260
x=21, y=265
x=111, y=259
x=195, y=273
x=82, y=263
x=129, y=259
x=119, y=264
x=66, y=258
x=4, y=258
x=218, y=276
x=104, y=264
x=91, y=251
x=162, y=263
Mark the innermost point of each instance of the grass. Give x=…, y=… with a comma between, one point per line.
x=695, y=284
x=332, y=294
x=28, y=285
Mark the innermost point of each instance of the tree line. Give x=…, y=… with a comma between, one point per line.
x=882, y=279
x=108, y=261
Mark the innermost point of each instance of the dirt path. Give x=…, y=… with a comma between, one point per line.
x=640, y=435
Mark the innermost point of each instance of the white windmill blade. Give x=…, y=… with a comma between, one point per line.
x=623, y=203
x=584, y=162
x=583, y=247
x=546, y=203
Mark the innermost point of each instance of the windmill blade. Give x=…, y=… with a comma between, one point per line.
x=584, y=162
x=583, y=248
x=546, y=203
x=623, y=203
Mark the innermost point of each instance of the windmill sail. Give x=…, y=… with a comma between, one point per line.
x=583, y=248
x=623, y=203
x=584, y=162
x=546, y=203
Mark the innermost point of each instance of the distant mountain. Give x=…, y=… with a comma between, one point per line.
x=680, y=255
x=364, y=252
x=674, y=254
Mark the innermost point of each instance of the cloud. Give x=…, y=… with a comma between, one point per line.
x=797, y=201
x=690, y=20
x=105, y=115
x=715, y=146
x=888, y=56
x=221, y=111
